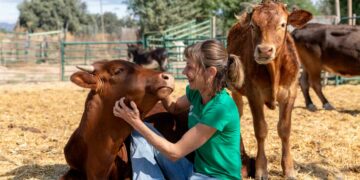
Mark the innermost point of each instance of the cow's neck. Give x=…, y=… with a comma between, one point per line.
x=147, y=105
x=274, y=69
x=98, y=120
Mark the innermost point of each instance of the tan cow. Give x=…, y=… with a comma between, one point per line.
x=271, y=66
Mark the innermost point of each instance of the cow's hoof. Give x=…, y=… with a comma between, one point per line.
x=248, y=170
x=328, y=106
x=264, y=177
x=290, y=178
x=261, y=175
x=311, y=107
x=290, y=175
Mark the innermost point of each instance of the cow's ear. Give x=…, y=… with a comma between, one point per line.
x=84, y=79
x=299, y=18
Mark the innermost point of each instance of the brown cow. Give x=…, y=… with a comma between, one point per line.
x=96, y=149
x=333, y=48
x=271, y=67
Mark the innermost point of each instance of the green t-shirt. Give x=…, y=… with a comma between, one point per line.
x=219, y=157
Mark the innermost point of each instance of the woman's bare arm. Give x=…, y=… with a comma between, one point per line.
x=191, y=140
x=176, y=106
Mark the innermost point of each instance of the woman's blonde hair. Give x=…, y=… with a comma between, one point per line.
x=212, y=53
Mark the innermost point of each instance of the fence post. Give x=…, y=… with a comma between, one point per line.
x=350, y=11
x=354, y=20
x=213, y=27
x=62, y=63
x=144, y=39
x=87, y=50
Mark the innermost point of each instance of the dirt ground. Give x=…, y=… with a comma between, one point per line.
x=36, y=121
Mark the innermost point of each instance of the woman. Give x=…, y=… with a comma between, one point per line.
x=214, y=122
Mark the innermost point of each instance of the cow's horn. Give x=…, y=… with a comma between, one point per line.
x=249, y=7
x=88, y=69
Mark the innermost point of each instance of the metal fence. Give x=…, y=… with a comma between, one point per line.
x=29, y=57
x=44, y=57
x=86, y=53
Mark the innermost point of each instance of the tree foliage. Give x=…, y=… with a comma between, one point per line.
x=157, y=15
x=112, y=24
x=55, y=14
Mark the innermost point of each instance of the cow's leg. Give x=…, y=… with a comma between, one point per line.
x=304, y=84
x=261, y=130
x=121, y=168
x=315, y=79
x=73, y=174
x=284, y=128
x=247, y=169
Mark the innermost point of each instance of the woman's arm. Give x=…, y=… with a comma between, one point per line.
x=176, y=106
x=190, y=141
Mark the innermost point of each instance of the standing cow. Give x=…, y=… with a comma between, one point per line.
x=96, y=150
x=333, y=48
x=271, y=66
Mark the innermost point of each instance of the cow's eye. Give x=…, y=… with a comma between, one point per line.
x=283, y=25
x=118, y=71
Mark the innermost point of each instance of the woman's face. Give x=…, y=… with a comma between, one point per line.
x=194, y=75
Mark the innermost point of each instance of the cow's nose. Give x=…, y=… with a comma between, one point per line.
x=265, y=49
x=167, y=77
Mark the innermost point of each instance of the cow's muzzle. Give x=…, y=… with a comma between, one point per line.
x=264, y=53
x=167, y=87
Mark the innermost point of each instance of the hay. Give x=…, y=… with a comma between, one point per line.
x=36, y=121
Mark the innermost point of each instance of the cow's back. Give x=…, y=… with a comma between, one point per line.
x=334, y=48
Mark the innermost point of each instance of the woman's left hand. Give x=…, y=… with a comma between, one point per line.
x=131, y=116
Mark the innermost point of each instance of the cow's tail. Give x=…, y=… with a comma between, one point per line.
x=235, y=74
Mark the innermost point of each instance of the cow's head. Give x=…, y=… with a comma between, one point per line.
x=268, y=23
x=132, y=49
x=112, y=80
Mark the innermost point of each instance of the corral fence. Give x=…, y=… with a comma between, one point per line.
x=29, y=57
x=174, y=39
x=86, y=53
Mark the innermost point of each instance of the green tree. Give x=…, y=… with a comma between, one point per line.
x=302, y=4
x=55, y=14
x=112, y=24
x=128, y=21
x=157, y=15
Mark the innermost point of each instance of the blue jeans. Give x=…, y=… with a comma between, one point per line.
x=149, y=164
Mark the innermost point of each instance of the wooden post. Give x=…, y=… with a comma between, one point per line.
x=354, y=20
x=350, y=12
x=337, y=10
x=213, y=27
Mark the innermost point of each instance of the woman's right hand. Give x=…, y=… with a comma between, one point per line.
x=131, y=116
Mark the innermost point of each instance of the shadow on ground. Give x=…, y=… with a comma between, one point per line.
x=35, y=171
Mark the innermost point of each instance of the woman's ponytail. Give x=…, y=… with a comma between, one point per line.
x=235, y=72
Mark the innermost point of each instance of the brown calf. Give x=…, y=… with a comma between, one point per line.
x=333, y=48
x=271, y=67
x=96, y=149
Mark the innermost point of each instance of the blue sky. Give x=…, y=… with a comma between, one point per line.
x=9, y=12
